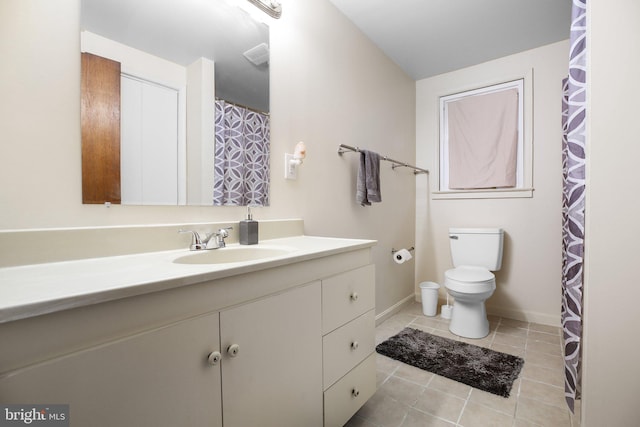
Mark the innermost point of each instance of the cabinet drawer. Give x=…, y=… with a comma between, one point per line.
x=347, y=346
x=346, y=396
x=347, y=296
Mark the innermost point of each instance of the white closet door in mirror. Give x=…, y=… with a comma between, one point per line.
x=149, y=143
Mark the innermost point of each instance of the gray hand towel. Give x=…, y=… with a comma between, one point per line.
x=368, y=184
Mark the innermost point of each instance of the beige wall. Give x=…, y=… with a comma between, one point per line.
x=329, y=85
x=528, y=285
x=611, y=372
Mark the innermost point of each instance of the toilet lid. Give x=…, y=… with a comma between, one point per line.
x=469, y=274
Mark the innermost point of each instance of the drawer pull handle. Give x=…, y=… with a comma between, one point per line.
x=354, y=296
x=233, y=350
x=354, y=345
x=355, y=392
x=214, y=358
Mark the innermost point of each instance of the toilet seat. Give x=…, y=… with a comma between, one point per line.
x=468, y=273
x=469, y=279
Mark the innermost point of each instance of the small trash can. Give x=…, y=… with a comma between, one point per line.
x=429, y=294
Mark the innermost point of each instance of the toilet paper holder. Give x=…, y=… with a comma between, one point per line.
x=393, y=251
x=401, y=256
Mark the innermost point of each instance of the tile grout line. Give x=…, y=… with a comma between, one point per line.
x=531, y=334
x=466, y=402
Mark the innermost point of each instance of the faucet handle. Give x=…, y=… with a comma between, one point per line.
x=196, y=241
x=222, y=232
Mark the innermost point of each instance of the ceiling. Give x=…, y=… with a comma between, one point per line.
x=430, y=37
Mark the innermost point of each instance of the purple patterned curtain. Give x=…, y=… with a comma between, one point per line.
x=241, y=164
x=573, y=200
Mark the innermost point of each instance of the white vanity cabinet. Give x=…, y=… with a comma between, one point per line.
x=348, y=324
x=286, y=346
x=265, y=351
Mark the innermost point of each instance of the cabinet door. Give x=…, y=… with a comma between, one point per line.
x=157, y=378
x=275, y=378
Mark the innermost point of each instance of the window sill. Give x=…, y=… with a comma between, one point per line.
x=498, y=193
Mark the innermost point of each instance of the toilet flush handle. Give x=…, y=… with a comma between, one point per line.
x=453, y=237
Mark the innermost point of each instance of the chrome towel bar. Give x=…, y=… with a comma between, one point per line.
x=342, y=148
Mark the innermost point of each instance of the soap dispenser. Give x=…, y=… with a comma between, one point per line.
x=248, y=230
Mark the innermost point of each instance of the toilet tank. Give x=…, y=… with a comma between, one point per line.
x=480, y=247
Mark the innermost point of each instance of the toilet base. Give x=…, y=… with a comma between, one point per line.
x=469, y=319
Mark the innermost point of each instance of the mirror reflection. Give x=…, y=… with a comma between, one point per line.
x=175, y=102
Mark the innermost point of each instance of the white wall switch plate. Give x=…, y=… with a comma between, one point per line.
x=290, y=169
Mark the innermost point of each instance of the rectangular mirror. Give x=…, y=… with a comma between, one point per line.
x=175, y=103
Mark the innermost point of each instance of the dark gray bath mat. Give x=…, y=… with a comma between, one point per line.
x=479, y=367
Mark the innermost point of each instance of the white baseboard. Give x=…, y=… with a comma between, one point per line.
x=522, y=315
x=526, y=316
x=381, y=317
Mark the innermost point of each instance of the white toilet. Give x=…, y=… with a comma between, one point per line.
x=475, y=253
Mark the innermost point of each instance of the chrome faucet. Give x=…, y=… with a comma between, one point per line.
x=199, y=243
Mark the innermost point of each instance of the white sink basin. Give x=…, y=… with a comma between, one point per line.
x=232, y=254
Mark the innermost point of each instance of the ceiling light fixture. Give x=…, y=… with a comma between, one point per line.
x=273, y=8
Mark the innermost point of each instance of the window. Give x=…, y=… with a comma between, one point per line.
x=483, y=145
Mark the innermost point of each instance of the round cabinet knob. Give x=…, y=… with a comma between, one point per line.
x=214, y=358
x=354, y=345
x=233, y=350
x=355, y=392
x=354, y=296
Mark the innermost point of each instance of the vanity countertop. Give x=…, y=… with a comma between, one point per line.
x=32, y=290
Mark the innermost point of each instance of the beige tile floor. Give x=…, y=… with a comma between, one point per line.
x=409, y=396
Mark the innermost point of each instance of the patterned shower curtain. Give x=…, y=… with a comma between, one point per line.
x=241, y=163
x=573, y=200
